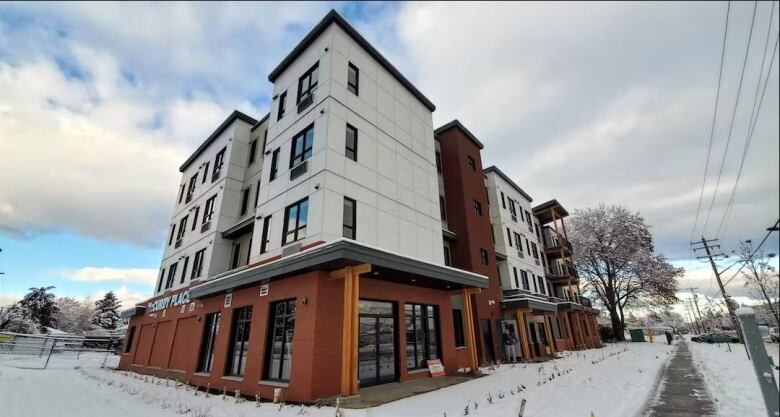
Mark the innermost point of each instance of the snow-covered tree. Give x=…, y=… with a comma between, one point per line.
x=761, y=278
x=74, y=316
x=40, y=306
x=15, y=319
x=107, y=312
x=614, y=256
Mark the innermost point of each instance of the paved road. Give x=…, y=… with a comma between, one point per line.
x=681, y=391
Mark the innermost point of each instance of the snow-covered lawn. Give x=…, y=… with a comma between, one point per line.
x=613, y=381
x=730, y=378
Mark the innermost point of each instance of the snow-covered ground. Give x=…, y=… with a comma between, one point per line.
x=730, y=378
x=611, y=382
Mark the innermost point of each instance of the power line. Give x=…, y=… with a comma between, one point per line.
x=752, y=121
x=768, y=233
x=733, y=116
x=714, y=117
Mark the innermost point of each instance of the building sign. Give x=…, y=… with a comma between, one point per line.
x=169, y=301
x=228, y=299
x=435, y=367
x=264, y=290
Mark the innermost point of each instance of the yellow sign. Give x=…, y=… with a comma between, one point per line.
x=4, y=338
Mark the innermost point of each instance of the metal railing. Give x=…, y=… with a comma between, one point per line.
x=39, y=351
x=553, y=239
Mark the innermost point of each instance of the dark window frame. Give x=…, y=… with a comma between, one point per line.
x=484, y=257
x=195, y=218
x=184, y=270
x=477, y=207
x=235, y=257
x=244, y=208
x=219, y=163
x=471, y=163
x=307, y=146
x=274, y=165
x=353, y=88
x=354, y=148
x=208, y=209
x=345, y=228
x=426, y=312
x=447, y=256
x=443, y=208
x=309, y=78
x=280, y=322
x=252, y=151
x=459, y=330
x=205, y=173
x=208, y=342
x=282, y=105
x=298, y=228
x=241, y=327
x=197, y=264
x=266, y=238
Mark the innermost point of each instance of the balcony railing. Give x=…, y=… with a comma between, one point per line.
x=553, y=239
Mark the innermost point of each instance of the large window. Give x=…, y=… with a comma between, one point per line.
x=239, y=341
x=171, y=276
x=266, y=234
x=210, y=330
x=182, y=228
x=350, y=218
x=295, y=221
x=208, y=210
x=457, y=321
x=282, y=105
x=308, y=82
x=302, y=145
x=281, y=328
x=422, y=335
x=274, y=165
x=219, y=162
x=191, y=187
x=518, y=242
x=353, y=78
x=351, y=144
x=252, y=151
x=524, y=275
x=197, y=264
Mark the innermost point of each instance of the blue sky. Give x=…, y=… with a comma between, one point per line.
x=102, y=102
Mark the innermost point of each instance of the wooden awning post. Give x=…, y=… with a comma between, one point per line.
x=548, y=331
x=349, y=341
x=472, y=341
x=523, y=328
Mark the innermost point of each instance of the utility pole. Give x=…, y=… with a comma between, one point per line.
x=696, y=302
x=711, y=255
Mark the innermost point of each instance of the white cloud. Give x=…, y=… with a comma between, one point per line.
x=129, y=275
x=9, y=299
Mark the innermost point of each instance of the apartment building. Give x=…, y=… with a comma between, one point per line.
x=339, y=242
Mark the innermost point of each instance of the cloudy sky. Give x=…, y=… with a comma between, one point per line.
x=588, y=103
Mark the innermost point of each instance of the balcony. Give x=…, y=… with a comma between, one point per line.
x=554, y=242
x=561, y=273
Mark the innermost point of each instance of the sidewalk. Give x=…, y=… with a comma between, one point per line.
x=681, y=392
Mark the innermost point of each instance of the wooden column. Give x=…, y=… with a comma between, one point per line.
x=550, y=335
x=472, y=341
x=523, y=328
x=579, y=326
x=349, y=341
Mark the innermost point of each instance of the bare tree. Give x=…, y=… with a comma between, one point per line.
x=615, y=261
x=761, y=277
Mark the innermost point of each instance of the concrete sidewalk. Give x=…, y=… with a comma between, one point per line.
x=681, y=391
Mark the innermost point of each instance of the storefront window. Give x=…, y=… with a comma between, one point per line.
x=242, y=320
x=211, y=327
x=280, y=340
x=422, y=335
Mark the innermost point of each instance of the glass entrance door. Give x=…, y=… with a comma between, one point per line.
x=376, y=345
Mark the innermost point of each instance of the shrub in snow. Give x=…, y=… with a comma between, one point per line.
x=16, y=319
x=106, y=312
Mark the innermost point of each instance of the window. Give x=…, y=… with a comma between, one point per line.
x=295, y=221
x=248, y=251
x=518, y=242
x=308, y=82
x=457, y=322
x=472, y=164
x=236, y=253
x=528, y=219
x=517, y=280
x=282, y=105
x=438, y=162
x=170, y=238
x=503, y=200
x=533, y=279
x=483, y=256
x=422, y=335
x=351, y=148
x=171, y=276
x=265, y=139
x=447, y=256
x=252, y=151
x=274, y=165
x=197, y=264
x=208, y=211
x=195, y=218
x=509, y=236
x=477, y=208
x=536, y=228
x=281, y=329
x=533, y=248
x=257, y=193
x=210, y=330
x=302, y=146
x=239, y=341
x=353, y=78
x=219, y=162
x=266, y=232
x=350, y=218
x=182, y=228
x=205, y=173
x=541, y=284
x=191, y=187
x=184, y=270
x=130, y=337
x=527, y=246
x=524, y=275
x=443, y=208
x=160, y=282
x=512, y=208
x=245, y=201
x=181, y=193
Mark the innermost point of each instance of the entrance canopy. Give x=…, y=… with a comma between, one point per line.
x=341, y=253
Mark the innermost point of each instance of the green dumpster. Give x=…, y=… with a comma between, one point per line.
x=637, y=335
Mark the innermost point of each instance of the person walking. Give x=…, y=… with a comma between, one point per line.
x=509, y=344
x=668, y=337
